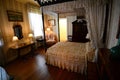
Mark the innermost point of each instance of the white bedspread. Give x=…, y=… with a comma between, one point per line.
x=67, y=55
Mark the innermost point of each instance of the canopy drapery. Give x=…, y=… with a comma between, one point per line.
x=95, y=16
x=95, y=12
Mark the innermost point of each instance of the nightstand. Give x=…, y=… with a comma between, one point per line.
x=40, y=42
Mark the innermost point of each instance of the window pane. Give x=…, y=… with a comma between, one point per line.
x=36, y=24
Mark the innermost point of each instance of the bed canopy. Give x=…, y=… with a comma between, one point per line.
x=63, y=6
x=97, y=12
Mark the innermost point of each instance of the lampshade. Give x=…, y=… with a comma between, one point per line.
x=15, y=38
x=48, y=29
x=30, y=35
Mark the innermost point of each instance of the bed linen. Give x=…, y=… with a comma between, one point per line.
x=67, y=55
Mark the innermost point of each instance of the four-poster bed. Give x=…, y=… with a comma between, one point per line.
x=67, y=55
x=95, y=16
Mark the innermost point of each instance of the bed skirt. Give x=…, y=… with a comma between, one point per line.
x=72, y=59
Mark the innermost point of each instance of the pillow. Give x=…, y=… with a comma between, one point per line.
x=115, y=53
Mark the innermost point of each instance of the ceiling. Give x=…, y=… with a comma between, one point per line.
x=28, y=1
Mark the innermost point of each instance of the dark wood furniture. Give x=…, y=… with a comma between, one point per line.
x=23, y=46
x=92, y=71
x=79, y=31
x=108, y=69
x=69, y=38
x=40, y=42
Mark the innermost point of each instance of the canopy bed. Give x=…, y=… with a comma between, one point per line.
x=96, y=11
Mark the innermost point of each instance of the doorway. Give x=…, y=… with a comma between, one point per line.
x=63, y=29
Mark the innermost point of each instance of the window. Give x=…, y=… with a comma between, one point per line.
x=36, y=24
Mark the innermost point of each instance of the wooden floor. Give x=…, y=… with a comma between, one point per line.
x=34, y=68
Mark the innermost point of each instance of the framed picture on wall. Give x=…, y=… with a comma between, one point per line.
x=14, y=16
x=51, y=22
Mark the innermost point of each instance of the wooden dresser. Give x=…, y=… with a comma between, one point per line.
x=80, y=31
x=107, y=69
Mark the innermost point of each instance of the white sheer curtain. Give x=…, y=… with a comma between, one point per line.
x=35, y=20
x=113, y=24
x=96, y=10
x=36, y=24
x=95, y=15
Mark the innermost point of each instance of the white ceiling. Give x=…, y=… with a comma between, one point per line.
x=28, y=1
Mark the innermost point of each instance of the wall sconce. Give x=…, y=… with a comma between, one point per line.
x=31, y=37
x=48, y=29
x=15, y=39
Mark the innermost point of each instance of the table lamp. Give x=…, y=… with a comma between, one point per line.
x=15, y=39
x=31, y=37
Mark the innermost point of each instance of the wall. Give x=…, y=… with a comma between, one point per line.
x=7, y=26
x=2, y=58
x=48, y=16
x=70, y=19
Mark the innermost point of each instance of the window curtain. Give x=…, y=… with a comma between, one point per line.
x=113, y=24
x=35, y=20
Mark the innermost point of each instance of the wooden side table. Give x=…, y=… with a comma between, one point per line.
x=41, y=41
x=23, y=46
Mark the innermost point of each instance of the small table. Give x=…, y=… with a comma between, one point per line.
x=22, y=46
x=42, y=41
